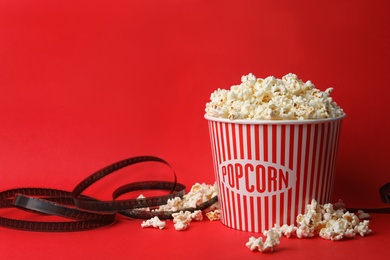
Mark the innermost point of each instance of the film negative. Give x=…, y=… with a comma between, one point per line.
x=81, y=212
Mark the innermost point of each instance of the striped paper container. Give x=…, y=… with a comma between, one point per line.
x=268, y=171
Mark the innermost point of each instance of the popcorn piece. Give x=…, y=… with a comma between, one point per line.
x=288, y=98
x=213, y=215
x=363, y=228
x=141, y=196
x=153, y=222
x=363, y=215
x=182, y=219
x=288, y=230
x=255, y=244
x=272, y=241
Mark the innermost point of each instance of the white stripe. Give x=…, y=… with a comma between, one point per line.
x=277, y=211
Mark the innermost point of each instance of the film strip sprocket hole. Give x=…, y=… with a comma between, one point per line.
x=84, y=212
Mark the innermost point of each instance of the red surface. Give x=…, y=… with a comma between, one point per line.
x=87, y=83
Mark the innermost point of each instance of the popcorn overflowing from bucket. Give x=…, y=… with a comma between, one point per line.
x=288, y=98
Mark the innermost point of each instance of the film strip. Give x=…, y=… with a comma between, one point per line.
x=84, y=212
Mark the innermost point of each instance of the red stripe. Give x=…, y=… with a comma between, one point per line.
x=252, y=212
x=274, y=144
x=275, y=218
x=290, y=217
x=219, y=138
x=249, y=140
x=326, y=172
x=320, y=161
x=291, y=153
x=266, y=213
x=299, y=175
x=283, y=146
x=233, y=210
x=306, y=168
x=224, y=202
x=330, y=161
x=291, y=202
x=259, y=214
x=337, y=140
x=282, y=213
x=238, y=213
x=234, y=141
x=223, y=152
x=227, y=141
x=257, y=142
x=228, y=209
x=265, y=143
x=246, y=217
x=241, y=141
x=313, y=170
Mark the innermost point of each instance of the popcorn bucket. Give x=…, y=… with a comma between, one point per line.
x=267, y=171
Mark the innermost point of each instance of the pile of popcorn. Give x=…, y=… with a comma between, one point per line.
x=328, y=221
x=322, y=220
x=288, y=98
x=182, y=218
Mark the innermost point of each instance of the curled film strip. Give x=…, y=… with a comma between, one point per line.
x=83, y=212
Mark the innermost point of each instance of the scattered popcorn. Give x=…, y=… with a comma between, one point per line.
x=153, y=222
x=198, y=194
x=174, y=204
x=363, y=228
x=286, y=230
x=141, y=196
x=363, y=215
x=257, y=244
x=182, y=219
x=339, y=205
x=325, y=221
x=213, y=215
x=288, y=98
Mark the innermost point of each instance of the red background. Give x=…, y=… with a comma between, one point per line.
x=86, y=83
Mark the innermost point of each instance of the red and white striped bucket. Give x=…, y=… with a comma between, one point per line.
x=268, y=171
